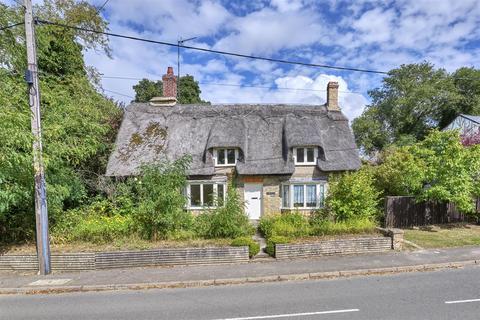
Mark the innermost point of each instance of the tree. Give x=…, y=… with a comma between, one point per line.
x=412, y=100
x=438, y=168
x=79, y=124
x=189, y=92
x=400, y=173
x=451, y=169
x=353, y=195
x=59, y=49
x=147, y=89
x=467, y=82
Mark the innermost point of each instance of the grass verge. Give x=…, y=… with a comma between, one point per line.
x=442, y=236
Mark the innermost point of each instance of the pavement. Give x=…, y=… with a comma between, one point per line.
x=265, y=270
x=444, y=294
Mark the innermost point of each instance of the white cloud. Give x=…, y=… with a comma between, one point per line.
x=375, y=25
x=366, y=34
x=170, y=19
x=287, y=5
x=309, y=91
x=267, y=31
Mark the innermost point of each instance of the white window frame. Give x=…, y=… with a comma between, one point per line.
x=201, y=183
x=305, y=163
x=215, y=157
x=320, y=198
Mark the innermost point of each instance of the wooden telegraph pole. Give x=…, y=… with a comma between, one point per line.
x=31, y=76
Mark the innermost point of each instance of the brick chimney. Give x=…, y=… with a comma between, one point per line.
x=332, y=96
x=169, y=98
x=169, y=84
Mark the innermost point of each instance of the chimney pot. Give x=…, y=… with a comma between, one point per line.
x=332, y=96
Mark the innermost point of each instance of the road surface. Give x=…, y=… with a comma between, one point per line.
x=448, y=294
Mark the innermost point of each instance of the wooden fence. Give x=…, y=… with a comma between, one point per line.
x=403, y=212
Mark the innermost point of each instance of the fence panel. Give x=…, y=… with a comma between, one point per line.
x=403, y=212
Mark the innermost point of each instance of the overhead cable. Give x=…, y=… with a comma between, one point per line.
x=233, y=54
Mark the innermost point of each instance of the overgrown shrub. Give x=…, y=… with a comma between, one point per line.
x=98, y=222
x=400, y=173
x=79, y=124
x=161, y=202
x=439, y=168
x=291, y=224
x=253, y=246
x=271, y=242
x=451, y=173
x=227, y=221
x=353, y=195
x=327, y=227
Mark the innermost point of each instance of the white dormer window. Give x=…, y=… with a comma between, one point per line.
x=305, y=155
x=225, y=157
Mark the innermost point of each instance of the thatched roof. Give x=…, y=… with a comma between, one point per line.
x=265, y=134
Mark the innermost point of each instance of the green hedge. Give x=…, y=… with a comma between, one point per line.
x=292, y=225
x=323, y=228
x=253, y=246
x=271, y=242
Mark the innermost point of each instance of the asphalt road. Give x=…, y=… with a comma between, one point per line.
x=448, y=294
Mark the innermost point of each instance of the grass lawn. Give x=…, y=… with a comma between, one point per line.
x=120, y=244
x=441, y=236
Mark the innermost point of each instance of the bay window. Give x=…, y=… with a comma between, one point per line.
x=201, y=194
x=309, y=195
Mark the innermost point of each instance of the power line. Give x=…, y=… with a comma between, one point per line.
x=120, y=94
x=272, y=88
x=20, y=3
x=238, y=85
x=233, y=54
x=102, y=6
x=11, y=26
x=43, y=73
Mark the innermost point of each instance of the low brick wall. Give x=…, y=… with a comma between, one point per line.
x=395, y=234
x=167, y=257
x=60, y=262
x=330, y=247
x=126, y=259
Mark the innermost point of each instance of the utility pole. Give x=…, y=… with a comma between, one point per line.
x=31, y=76
x=180, y=42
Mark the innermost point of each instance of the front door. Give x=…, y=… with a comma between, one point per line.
x=253, y=200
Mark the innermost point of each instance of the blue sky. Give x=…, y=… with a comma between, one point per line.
x=377, y=35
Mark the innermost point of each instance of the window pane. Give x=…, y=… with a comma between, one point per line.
x=321, y=195
x=298, y=195
x=310, y=155
x=285, y=196
x=311, y=195
x=195, y=200
x=208, y=198
x=220, y=194
x=231, y=156
x=221, y=156
x=300, y=157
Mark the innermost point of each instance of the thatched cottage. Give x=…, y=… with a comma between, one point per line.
x=279, y=155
